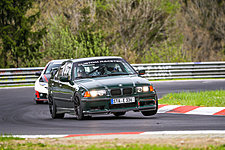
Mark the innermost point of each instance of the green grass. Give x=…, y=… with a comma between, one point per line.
x=203, y=98
x=12, y=143
x=26, y=146
x=20, y=85
x=151, y=147
x=8, y=138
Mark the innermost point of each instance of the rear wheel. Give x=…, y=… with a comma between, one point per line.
x=152, y=112
x=78, y=109
x=53, y=109
x=117, y=114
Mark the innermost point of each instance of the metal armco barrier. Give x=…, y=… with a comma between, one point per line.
x=189, y=70
x=14, y=76
x=154, y=71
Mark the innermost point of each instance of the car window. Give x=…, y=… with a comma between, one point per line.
x=60, y=72
x=50, y=66
x=98, y=68
x=67, y=70
x=55, y=77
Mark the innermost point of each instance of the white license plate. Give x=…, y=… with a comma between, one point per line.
x=123, y=100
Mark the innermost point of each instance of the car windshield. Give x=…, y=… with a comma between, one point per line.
x=50, y=66
x=101, y=68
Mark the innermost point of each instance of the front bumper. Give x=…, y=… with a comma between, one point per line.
x=103, y=105
x=40, y=91
x=149, y=108
x=40, y=96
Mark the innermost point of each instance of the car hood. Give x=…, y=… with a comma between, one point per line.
x=112, y=82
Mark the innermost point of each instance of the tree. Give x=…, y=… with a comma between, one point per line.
x=202, y=23
x=134, y=26
x=20, y=43
x=74, y=38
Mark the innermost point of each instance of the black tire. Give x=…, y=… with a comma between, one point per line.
x=53, y=109
x=152, y=112
x=117, y=114
x=149, y=113
x=39, y=102
x=50, y=104
x=78, y=109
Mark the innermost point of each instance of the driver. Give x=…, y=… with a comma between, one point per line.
x=111, y=68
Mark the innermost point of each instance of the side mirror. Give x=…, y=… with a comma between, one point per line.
x=38, y=73
x=141, y=72
x=64, y=79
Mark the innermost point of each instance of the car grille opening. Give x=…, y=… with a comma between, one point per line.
x=143, y=103
x=115, y=92
x=127, y=91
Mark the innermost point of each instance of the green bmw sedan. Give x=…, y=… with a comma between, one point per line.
x=99, y=85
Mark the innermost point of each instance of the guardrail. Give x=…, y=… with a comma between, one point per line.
x=189, y=70
x=16, y=76
x=154, y=71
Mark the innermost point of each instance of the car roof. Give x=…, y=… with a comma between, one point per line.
x=95, y=58
x=58, y=61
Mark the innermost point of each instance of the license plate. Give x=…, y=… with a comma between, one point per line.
x=123, y=100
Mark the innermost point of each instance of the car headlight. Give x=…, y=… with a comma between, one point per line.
x=94, y=93
x=139, y=89
x=145, y=89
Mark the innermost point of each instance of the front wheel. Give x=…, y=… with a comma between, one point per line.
x=149, y=113
x=53, y=110
x=78, y=109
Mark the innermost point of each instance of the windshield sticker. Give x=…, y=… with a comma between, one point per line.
x=99, y=61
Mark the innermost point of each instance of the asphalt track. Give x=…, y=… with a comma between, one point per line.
x=20, y=115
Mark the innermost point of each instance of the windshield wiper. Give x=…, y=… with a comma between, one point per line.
x=83, y=77
x=117, y=74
